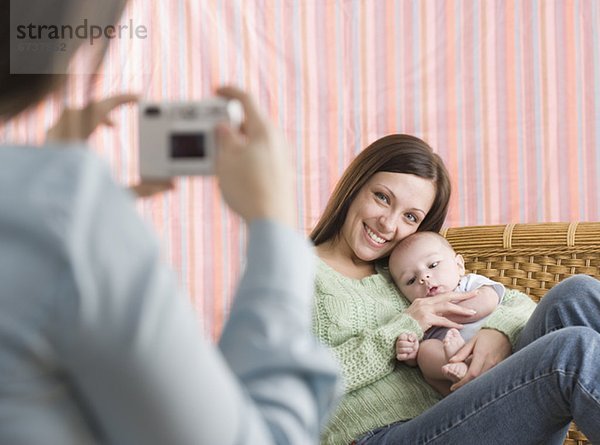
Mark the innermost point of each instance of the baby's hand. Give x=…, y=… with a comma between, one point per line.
x=407, y=346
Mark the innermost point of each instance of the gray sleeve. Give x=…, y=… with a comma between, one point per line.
x=474, y=281
x=132, y=345
x=267, y=340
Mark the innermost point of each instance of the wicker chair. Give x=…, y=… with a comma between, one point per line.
x=531, y=258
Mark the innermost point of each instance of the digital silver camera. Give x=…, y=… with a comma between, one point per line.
x=178, y=138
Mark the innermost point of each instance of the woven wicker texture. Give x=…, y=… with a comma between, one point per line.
x=531, y=258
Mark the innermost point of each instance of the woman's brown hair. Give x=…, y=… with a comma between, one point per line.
x=396, y=153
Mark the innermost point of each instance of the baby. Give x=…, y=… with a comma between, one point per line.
x=423, y=265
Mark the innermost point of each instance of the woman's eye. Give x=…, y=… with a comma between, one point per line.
x=412, y=218
x=382, y=197
x=411, y=281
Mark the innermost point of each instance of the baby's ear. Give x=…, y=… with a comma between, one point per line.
x=460, y=262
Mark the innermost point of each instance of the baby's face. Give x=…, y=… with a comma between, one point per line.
x=425, y=267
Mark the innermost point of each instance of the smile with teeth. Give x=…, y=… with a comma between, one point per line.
x=374, y=236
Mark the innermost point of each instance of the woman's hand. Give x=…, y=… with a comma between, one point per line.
x=77, y=124
x=488, y=348
x=484, y=303
x=254, y=172
x=433, y=311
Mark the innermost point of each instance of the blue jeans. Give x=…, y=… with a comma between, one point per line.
x=553, y=377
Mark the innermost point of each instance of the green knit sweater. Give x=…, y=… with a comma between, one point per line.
x=361, y=320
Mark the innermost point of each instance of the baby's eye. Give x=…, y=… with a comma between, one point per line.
x=382, y=197
x=434, y=265
x=411, y=281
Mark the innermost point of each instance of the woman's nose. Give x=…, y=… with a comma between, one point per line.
x=386, y=224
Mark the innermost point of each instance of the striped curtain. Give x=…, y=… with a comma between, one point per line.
x=506, y=91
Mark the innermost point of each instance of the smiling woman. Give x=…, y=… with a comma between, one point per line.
x=395, y=187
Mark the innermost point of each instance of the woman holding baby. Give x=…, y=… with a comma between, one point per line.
x=543, y=359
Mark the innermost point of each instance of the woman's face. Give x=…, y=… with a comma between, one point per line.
x=389, y=207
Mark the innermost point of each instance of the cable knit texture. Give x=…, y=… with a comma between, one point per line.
x=360, y=320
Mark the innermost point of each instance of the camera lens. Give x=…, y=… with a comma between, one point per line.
x=152, y=111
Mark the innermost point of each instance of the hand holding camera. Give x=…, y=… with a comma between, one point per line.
x=201, y=138
x=253, y=166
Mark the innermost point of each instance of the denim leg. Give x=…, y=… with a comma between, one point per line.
x=529, y=398
x=573, y=302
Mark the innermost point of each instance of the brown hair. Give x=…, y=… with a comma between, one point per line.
x=20, y=91
x=395, y=153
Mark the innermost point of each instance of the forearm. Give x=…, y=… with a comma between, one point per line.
x=267, y=340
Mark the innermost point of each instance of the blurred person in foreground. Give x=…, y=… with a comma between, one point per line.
x=97, y=344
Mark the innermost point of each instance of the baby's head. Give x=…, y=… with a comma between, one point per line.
x=424, y=264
